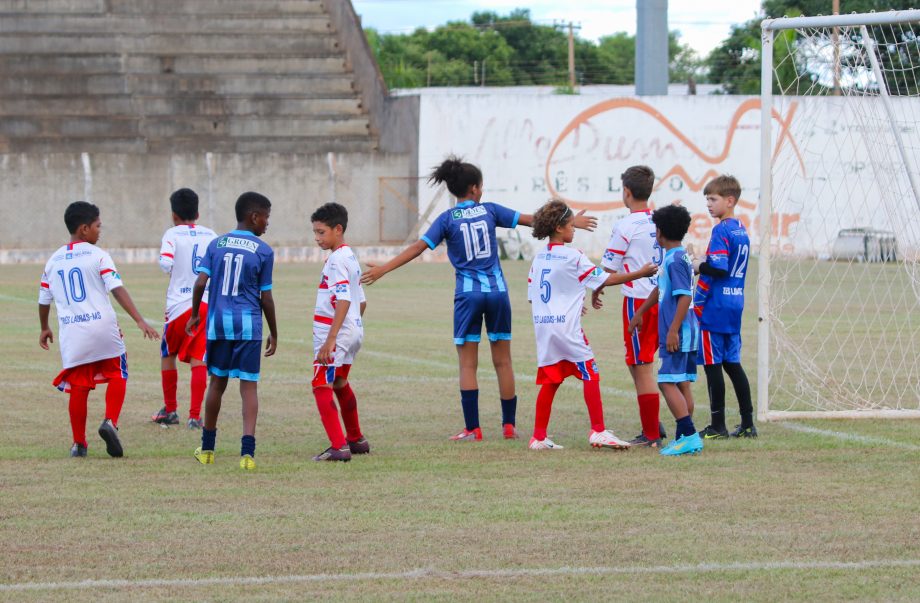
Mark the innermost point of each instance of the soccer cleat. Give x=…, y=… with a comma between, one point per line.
x=711, y=433
x=544, y=444
x=467, y=435
x=361, y=446
x=642, y=441
x=247, y=462
x=606, y=439
x=165, y=418
x=334, y=454
x=77, y=450
x=744, y=432
x=109, y=433
x=205, y=457
x=685, y=444
x=194, y=424
x=509, y=432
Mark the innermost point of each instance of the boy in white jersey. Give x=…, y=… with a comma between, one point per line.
x=556, y=290
x=633, y=244
x=337, y=335
x=181, y=251
x=78, y=278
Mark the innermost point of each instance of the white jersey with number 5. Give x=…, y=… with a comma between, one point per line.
x=633, y=245
x=78, y=278
x=180, y=255
x=556, y=290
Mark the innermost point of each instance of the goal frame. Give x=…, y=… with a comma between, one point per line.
x=765, y=207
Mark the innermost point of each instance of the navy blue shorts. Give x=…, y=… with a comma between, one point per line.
x=676, y=367
x=232, y=358
x=716, y=348
x=469, y=310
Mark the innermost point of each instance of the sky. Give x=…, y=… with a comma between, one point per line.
x=703, y=23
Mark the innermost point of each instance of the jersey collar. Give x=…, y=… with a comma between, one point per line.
x=642, y=211
x=243, y=232
x=467, y=203
x=674, y=250
x=551, y=245
x=71, y=244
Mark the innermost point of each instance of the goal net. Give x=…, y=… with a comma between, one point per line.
x=839, y=225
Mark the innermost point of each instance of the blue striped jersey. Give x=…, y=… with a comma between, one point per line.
x=675, y=279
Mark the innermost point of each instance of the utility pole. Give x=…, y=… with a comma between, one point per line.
x=429, y=70
x=651, y=47
x=836, y=41
x=483, y=81
x=571, y=57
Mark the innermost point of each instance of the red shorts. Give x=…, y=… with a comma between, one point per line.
x=556, y=373
x=641, y=345
x=90, y=374
x=325, y=375
x=177, y=342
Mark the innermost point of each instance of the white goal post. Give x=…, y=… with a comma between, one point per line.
x=839, y=217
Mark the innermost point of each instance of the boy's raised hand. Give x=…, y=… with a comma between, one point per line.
x=649, y=269
x=373, y=273
x=45, y=337
x=584, y=222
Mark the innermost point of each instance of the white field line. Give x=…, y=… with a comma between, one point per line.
x=850, y=437
x=427, y=574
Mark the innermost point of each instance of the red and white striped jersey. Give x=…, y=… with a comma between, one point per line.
x=556, y=290
x=78, y=278
x=180, y=254
x=341, y=280
x=633, y=245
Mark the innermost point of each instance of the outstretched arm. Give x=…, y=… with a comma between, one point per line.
x=582, y=221
x=124, y=299
x=375, y=272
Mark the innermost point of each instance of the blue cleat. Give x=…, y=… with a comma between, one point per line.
x=683, y=445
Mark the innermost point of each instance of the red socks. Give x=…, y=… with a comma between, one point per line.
x=199, y=385
x=349, y=406
x=77, y=407
x=595, y=406
x=329, y=415
x=648, y=414
x=544, y=408
x=170, y=378
x=115, y=399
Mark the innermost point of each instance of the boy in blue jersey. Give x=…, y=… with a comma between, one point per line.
x=678, y=330
x=240, y=266
x=719, y=302
x=481, y=291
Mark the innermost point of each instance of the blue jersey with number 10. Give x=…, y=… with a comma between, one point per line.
x=240, y=266
x=720, y=301
x=469, y=229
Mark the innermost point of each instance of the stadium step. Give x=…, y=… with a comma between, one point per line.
x=212, y=7
x=111, y=63
x=169, y=44
x=133, y=24
x=252, y=127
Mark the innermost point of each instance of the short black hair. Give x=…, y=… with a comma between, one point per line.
x=184, y=203
x=639, y=179
x=458, y=175
x=332, y=215
x=673, y=221
x=79, y=213
x=251, y=202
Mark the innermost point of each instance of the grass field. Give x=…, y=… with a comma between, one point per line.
x=812, y=510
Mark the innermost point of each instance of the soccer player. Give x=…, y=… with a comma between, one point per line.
x=337, y=335
x=556, y=290
x=633, y=244
x=240, y=265
x=481, y=292
x=78, y=279
x=719, y=302
x=678, y=329
x=180, y=254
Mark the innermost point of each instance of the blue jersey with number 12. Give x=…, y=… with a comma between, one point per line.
x=719, y=302
x=469, y=229
x=240, y=266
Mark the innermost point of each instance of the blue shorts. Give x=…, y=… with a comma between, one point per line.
x=469, y=310
x=233, y=358
x=676, y=367
x=716, y=348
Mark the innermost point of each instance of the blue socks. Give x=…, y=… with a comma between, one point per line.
x=248, y=446
x=469, y=399
x=509, y=408
x=208, y=437
x=685, y=427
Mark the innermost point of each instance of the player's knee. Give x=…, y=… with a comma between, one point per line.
x=339, y=383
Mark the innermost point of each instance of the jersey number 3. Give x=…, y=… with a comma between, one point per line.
x=476, y=240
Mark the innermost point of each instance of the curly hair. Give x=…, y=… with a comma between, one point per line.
x=554, y=213
x=673, y=221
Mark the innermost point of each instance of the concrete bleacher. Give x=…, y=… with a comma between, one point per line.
x=135, y=76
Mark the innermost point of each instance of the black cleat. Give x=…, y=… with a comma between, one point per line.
x=109, y=433
x=194, y=424
x=361, y=446
x=165, y=418
x=744, y=432
x=334, y=454
x=640, y=441
x=77, y=450
x=711, y=433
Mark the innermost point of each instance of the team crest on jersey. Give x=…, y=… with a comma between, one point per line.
x=468, y=212
x=238, y=243
x=341, y=288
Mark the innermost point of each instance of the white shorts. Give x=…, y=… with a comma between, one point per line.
x=347, y=344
